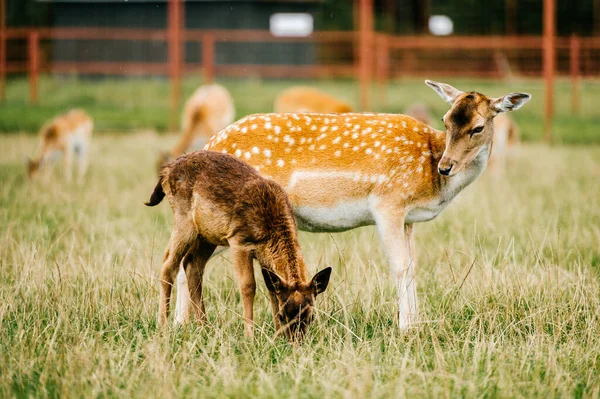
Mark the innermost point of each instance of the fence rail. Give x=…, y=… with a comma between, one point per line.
x=386, y=56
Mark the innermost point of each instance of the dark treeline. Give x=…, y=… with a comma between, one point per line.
x=470, y=17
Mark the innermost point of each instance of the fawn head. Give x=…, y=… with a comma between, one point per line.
x=296, y=301
x=469, y=124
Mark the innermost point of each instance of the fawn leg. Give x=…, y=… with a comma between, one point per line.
x=242, y=258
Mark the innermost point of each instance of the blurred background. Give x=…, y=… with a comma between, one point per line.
x=132, y=63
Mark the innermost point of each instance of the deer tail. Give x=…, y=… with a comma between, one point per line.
x=158, y=194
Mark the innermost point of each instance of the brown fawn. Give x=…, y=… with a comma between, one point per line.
x=69, y=134
x=207, y=111
x=218, y=200
x=343, y=171
x=309, y=99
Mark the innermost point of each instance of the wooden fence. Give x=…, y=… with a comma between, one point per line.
x=382, y=56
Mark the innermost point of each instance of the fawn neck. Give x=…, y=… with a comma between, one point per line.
x=281, y=254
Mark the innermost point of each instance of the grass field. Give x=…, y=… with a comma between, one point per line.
x=509, y=285
x=120, y=105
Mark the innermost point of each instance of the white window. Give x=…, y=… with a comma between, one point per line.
x=440, y=25
x=291, y=24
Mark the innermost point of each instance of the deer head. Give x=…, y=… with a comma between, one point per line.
x=469, y=124
x=33, y=166
x=296, y=301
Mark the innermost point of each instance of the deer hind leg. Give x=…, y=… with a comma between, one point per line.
x=390, y=225
x=68, y=163
x=242, y=259
x=82, y=162
x=178, y=246
x=194, y=264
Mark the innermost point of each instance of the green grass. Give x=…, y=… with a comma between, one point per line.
x=144, y=103
x=508, y=281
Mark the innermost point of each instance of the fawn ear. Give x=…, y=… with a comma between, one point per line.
x=510, y=102
x=273, y=281
x=447, y=92
x=320, y=281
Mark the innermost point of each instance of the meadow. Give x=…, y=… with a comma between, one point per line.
x=508, y=282
x=122, y=105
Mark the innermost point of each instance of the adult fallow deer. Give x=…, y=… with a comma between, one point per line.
x=343, y=171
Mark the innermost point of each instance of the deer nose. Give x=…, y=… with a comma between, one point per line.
x=445, y=170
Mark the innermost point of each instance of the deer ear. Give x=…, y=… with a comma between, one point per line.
x=320, y=281
x=447, y=92
x=272, y=281
x=510, y=102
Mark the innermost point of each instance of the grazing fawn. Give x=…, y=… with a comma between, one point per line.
x=69, y=134
x=217, y=200
x=309, y=99
x=207, y=111
x=343, y=171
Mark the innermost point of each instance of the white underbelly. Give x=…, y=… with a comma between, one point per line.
x=339, y=217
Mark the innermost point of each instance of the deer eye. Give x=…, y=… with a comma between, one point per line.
x=478, y=129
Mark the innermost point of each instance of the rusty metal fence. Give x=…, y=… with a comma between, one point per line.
x=368, y=55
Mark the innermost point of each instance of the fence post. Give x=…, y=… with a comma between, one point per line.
x=208, y=57
x=34, y=65
x=549, y=65
x=366, y=51
x=175, y=15
x=383, y=67
x=2, y=50
x=575, y=71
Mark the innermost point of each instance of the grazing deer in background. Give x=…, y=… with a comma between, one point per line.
x=343, y=171
x=207, y=111
x=506, y=137
x=69, y=134
x=420, y=112
x=309, y=99
x=217, y=200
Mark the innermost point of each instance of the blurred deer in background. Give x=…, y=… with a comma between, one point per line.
x=218, y=200
x=70, y=134
x=506, y=138
x=309, y=99
x=420, y=112
x=207, y=111
x=343, y=171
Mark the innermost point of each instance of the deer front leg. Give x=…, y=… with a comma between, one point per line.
x=412, y=287
x=183, y=301
x=390, y=224
x=68, y=164
x=82, y=164
x=173, y=256
x=242, y=260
